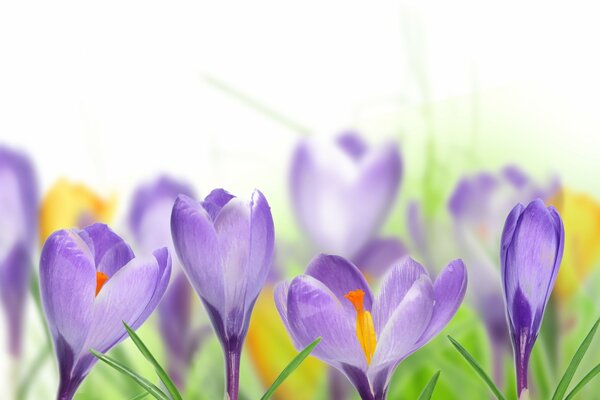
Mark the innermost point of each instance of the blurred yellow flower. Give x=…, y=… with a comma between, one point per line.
x=271, y=349
x=581, y=217
x=68, y=205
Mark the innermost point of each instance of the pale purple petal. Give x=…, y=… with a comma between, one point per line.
x=313, y=311
x=396, y=284
x=197, y=247
x=407, y=323
x=110, y=251
x=340, y=277
x=448, y=291
x=68, y=287
x=281, y=301
x=215, y=201
x=352, y=144
x=123, y=297
x=379, y=255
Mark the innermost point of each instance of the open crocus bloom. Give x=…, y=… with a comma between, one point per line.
x=531, y=251
x=90, y=283
x=225, y=245
x=18, y=224
x=363, y=336
x=342, y=191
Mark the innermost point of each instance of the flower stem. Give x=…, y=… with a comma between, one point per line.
x=522, y=364
x=232, y=371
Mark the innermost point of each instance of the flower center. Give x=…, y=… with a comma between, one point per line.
x=101, y=279
x=365, y=330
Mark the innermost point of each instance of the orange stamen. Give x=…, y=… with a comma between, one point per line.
x=101, y=279
x=365, y=330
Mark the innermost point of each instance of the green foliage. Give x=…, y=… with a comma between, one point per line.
x=428, y=390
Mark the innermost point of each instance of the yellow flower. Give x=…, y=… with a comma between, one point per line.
x=581, y=217
x=271, y=349
x=68, y=205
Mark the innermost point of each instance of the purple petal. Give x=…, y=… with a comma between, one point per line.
x=281, y=302
x=396, y=284
x=416, y=227
x=146, y=197
x=68, y=287
x=14, y=281
x=124, y=297
x=110, y=251
x=174, y=314
x=197, y=247
x=516, y=176
x=379, y=255
x=341, y=202
x=215, y=201
x=448, y=290
x=340, y=277
x=313, y=311
x=407, y=323
x=531, y=261
x=352, y=144
x=471, y=195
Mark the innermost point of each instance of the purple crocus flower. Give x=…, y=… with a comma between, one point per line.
x=150, y=223
x=362, y=336
x=343, y=191
x=225, y=245
x=90, y=282
x=531, y=252
x=18, y=227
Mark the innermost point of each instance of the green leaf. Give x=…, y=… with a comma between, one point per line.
x=428, y=390
x=290, y=368
x=467, y=356
x=563, y=385
x=586, y=379
x=164, y=377
x=143, y=382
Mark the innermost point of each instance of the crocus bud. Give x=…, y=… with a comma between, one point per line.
x=531, y=251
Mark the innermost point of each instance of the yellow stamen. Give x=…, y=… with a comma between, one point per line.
x=101, y=279
x=365, y=330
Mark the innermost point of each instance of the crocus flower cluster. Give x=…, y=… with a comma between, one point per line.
x=531, y=251
x=150, y=223
x=225, y=245
x=363, y=336
x=18, y=225
x=90, y=283
x=342, y=192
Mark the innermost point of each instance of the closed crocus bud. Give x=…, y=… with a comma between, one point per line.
x=18, y=224
x=531, y=251
x=225, y=245
x=72, y=205
x=150, y=223
x=342, y=191
x=90, y=283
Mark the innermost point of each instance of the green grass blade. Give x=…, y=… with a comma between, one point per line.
x=164, y=377
x=467, y=356
x=563, y=385
x=428, y=390
x=290, y=368
x=586, y=379
x=143, y=382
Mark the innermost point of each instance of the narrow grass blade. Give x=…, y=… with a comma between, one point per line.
x=164, y=377
x=563, y=385
x=143, y=382
x=428, y=391
x=586, y=379
x=290, y=368
x=467, y=356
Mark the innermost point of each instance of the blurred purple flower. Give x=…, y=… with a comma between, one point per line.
x=225, y=245
x=362, y=336
x=478, y=206
x=18, y=227
x=150, y=223
x=343, y=191
x=531, y=251
x=90, y=282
